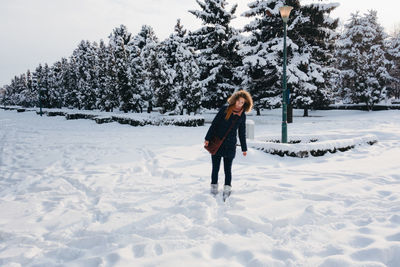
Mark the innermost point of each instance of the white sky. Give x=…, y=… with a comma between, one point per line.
x=40, y=31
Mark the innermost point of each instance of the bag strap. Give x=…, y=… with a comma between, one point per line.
x=226, y=134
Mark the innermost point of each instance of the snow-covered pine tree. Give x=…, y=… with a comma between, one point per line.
x=57, y=84
x=394, y=56
x=159, y=78
x=363, y=63
x=217, y=44
x=43, y=74
x=24, y=87
x=84, y=61
x=14, y=91
x=136, y=76
x=119, y=40
x=3, y=92
x=112, y=99
x=5, y=95
x=9, y=91
x=52, y=88
x=151, y=71
x=262, y=53
x=187, y=73
x=57, y=88
x=315, y=36
x=310, y=36
x=348, y=53
x=96, y=72
x=21, y=87
x=71, y=96
x=166, y=94
x=35, y=88
x=17, y=89
x=183, y=73
x=30, y=95
x=45, y=86
x=147, y=43
x=104, y=95
x=90, y=95
x=64, y=79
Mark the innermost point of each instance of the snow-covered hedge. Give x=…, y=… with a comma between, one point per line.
x=376, y=107
x=76, y=116
x=188, y=121
x=297, y=148
x=133, y=119
x=54, y=113
x=17, y=108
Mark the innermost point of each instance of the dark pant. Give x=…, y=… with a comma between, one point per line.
x=216, y=162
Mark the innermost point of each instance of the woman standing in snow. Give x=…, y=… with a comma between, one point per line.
x=230, y=119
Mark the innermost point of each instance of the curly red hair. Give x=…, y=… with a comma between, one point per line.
x=248, y=102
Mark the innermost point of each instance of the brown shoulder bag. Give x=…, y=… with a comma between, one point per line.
x=216, y=142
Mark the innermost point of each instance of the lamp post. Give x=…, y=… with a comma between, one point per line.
x=40, y=97
x=285, y=12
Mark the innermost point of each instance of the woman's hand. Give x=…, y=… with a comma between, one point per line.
x=206, y=143
x=244, y=153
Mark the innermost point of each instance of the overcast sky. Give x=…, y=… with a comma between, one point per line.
x=44, y=31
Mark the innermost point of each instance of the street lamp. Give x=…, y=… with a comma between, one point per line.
x=40, y=101
x=285, y=12
x=40, y=97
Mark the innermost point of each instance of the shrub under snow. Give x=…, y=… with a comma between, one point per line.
x=301, y=149
x=133, y=119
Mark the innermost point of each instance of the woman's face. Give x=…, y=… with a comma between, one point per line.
x=239, y=103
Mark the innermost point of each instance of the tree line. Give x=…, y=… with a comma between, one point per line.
x=191, y=70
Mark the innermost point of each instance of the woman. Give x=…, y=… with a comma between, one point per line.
x=233, y=117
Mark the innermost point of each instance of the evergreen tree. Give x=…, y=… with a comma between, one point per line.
x=35, y=87
x=147, y=43
x=5, y=94
x=394, y=56
x=158, y=78
x=119, y=40
x=21, y=90
x=137, y=76
x=310, y=39
x=3, y=91
x=187, y=81
x=57, y=87
x=315, y=37
x=217, y=43
x=182, y=90
x=187, y=72
x=64, y=82
x=166, y=93
x=112, y=99
x=15, y=90
x=262, y=58
x=84, y=58
x=104, y=95
x=363, y=63
x=30, y=95
x=52, y=88
x=72, y=93
x=43, y=74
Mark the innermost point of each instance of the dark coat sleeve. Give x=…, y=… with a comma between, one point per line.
x=212, y=130
x=242, y=133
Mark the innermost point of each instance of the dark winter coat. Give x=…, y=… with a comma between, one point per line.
x=220, y=126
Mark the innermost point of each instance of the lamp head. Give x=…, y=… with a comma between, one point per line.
x=285, y=12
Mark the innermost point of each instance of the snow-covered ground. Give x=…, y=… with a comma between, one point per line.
x=75, y=193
